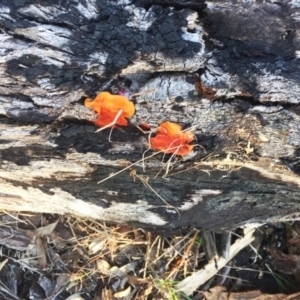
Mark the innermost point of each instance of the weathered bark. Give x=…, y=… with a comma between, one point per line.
x=231, y=70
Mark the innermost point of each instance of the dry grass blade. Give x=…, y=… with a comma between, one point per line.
x=2, y=264
x=115, y=261
x=184, y=258
x=167, y=165
x=110, y=124
x=128, y=167
x=260, y=166
x=191, y=283
x=145, y=180
x=143, y=93
x=14, y=217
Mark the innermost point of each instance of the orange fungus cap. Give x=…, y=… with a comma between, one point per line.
x=171, y=139
x=107, y=106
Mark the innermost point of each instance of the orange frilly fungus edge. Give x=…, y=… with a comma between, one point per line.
x=171, y=139
x=107, y=106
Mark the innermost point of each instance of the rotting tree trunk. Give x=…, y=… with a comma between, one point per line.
x=231, y=69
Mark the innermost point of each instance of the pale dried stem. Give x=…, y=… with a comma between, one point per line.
x=191, y=283
x=128, y=167
x=143, y=93
x=111, y=124
x=284, y=175
x=146, y=184
x=176, y=244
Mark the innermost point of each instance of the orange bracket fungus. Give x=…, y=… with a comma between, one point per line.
x=171, y=139
x=111, y=109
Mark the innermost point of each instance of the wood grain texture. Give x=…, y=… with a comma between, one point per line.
x=231, y=71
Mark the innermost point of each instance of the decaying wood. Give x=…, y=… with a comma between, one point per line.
x=229, y=70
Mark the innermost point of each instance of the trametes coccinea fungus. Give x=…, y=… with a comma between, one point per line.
x=108, y=107
x=171, y=139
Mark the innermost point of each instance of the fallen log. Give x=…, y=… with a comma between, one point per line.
x=207, y=68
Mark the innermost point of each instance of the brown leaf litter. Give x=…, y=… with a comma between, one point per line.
x=47, y=256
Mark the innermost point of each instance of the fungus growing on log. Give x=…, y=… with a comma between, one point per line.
x=171, y=139
x=108, y=107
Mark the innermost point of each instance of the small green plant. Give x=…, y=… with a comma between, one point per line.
x=284, y=284
x=167, y=288
x=199, y=241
